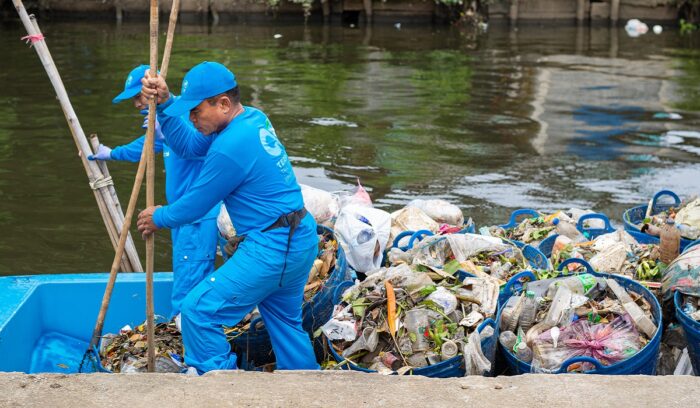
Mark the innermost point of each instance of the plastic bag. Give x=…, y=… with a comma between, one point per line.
x=322, y=205
x=223, y=221
x=683, y=274
x=440, y=211
x=607, y=342
x=358, y=196
x=475, y=362
x=445, y=299
x=363, y=233
x=410, y=219
x=431, y=251
x=611, y=259
x=689, y=214
x=464, y=246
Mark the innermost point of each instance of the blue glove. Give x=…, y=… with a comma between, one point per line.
x=158, y=134
x=103, y=153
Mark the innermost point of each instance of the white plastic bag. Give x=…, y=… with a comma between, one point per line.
x=475, y=362
x=690, y=214
x=223, y=221
x=440, y=210
x=466, y=245
x=363, y=233
x=322, y=205
x=445, y=299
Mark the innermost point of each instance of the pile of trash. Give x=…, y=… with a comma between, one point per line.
x=126, y=352
x=323, y=265
x=686, y=218
x=555, y=320
x=534, y=229
x=616, y=252
x=480, y=255
x=402, y=318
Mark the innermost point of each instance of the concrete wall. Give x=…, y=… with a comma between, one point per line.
x=421, y=9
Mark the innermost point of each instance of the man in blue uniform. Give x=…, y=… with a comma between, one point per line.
x=194, y=244
x=247, y=167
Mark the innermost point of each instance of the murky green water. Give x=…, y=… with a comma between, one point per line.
x=539, y=117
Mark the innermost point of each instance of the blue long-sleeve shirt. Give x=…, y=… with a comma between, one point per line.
x=247, y=167
x=179, y=172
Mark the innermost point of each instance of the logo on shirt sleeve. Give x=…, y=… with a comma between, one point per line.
x=270, y=143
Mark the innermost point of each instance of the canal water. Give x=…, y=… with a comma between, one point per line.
x=541, y=117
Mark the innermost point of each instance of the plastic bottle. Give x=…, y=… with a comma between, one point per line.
x=365, y=235
x=578, y=284
x=508, y=339
x=568, y=229
x=670, y=242
x=529, y=311
x=522, y=351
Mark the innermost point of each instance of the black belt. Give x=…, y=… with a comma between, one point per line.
x=291, y=220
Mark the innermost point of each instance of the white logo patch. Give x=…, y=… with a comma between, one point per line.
x=128, y=81
x=184, y=86
x=270, y=143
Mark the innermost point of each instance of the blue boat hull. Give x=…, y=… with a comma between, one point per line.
x=46, y=321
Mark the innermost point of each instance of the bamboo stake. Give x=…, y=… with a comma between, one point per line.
x=93, y=172
x=150, y=198
x=112, y=229
x=174, y=10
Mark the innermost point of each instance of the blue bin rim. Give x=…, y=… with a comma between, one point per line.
x=600, y=368
x=418, y=371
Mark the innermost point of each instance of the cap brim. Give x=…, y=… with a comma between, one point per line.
x=181, y=106
x=127, y=94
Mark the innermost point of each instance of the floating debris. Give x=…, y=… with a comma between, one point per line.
x=332, y=122
x=126, y=352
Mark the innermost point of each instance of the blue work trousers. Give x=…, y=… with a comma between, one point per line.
x=194, y=251
x=251, y=277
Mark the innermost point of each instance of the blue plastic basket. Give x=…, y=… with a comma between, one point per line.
x=516, y=215
x=592, y=233
x=635, y=215
x=644, y=362
x=255, y=348
x=453, y=367
x=691, y=328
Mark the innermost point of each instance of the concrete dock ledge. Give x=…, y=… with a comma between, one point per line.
x=346, y=389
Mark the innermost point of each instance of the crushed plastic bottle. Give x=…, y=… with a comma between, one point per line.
x=567, y=228
x=522, y=351
x=578, y=284
x=529, y=311
x=508, y=339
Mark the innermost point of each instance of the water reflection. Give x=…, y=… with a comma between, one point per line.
x=541, y=117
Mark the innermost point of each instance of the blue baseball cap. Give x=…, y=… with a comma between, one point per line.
x=132, y=85
x=201, y=82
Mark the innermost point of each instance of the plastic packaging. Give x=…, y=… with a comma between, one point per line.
x=363, y=232
x=322, y=205
x=440, y=210
x=683, y=274
x=410, y=219
x=358, y=197
x=223, y=222
x=670, y=242
x=567, y=228
x=606, y=342
x=475, y=362
x=466, y=245
x=416, y=321
x=445, y=299
x=580, y=284
x=367, y=341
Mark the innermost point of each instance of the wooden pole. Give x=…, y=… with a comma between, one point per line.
x=150, y=198
x=96, y=178
x=614, y=11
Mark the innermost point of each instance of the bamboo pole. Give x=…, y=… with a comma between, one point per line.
x=111, y=228
x=150, y=198
x=97, y=180
x=174, y=10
